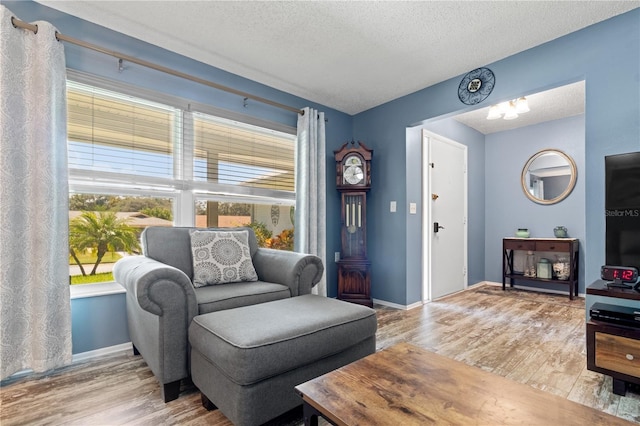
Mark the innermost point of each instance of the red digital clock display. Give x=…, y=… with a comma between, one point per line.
x=619, y=273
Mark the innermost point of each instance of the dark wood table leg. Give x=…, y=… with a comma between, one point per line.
x=310, y=415
x=571, y=291
x=504, y=269
x=619, y=387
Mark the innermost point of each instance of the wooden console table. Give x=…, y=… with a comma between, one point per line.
x=614, y=349
x=406, y=385
x=570, y=246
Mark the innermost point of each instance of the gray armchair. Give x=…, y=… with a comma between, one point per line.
x=161, y=300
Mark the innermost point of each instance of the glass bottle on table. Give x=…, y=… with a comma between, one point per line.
x=530, y=265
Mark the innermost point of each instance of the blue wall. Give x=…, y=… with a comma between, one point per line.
x=606, y=55
x=98, y=322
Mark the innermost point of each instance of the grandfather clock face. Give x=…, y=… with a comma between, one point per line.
x=353, y=170
x=353, y=167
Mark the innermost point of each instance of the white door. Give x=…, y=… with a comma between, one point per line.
x=445, y=221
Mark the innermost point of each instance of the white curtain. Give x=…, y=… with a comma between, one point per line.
x=310, y=233
x=35, y=312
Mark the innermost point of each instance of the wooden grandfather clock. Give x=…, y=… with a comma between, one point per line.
x=353, y=181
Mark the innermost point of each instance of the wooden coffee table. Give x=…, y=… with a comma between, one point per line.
x=407, y=385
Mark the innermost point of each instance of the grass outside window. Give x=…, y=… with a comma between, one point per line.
x=92, y=279
x=88, y=260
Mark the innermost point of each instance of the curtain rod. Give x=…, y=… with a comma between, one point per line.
x=61, y=37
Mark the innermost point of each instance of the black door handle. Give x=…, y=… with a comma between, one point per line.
x=437, y=227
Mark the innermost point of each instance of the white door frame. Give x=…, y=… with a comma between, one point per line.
x=427, y=223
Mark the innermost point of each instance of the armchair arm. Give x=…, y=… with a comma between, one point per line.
x=158, y=287
x=161, y=303
x=300, y=272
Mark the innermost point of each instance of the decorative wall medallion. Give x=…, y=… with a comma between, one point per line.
x=476, y=86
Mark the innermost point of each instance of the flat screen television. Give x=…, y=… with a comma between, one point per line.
x=622, y=209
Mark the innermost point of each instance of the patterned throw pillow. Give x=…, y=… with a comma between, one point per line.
x=221, y=257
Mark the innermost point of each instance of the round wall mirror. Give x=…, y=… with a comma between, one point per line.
x=549, y=176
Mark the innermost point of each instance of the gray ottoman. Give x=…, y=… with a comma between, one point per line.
x=247, y=361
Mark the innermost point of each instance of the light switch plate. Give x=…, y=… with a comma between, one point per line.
x=392, y=207
x=336, y=256
x=413, y=208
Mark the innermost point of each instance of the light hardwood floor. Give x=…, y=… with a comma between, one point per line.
x=532, y=338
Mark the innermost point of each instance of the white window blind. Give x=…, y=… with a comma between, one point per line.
x=114, y=133
x=232, y=153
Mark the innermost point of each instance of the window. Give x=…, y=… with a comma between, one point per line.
x=272, y=223
x=134, y=162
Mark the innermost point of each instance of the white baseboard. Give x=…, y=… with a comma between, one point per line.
x=83, y=356
x=396, y=305
x=481, y=283
x=418, y=304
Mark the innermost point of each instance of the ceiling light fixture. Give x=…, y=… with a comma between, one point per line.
x=494, y=113
x=508, y=110
x=511, y=112
x=522, y=105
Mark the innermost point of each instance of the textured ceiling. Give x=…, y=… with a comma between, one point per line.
x=348, y=55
